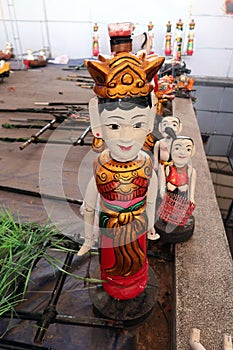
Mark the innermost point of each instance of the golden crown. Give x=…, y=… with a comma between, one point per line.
x=124, y=74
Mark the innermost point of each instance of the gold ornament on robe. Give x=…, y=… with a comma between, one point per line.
x=124, y=75
x=122, y=181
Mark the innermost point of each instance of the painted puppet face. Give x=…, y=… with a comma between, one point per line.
x=171, y=122
x=181, y=151
x=124, y=131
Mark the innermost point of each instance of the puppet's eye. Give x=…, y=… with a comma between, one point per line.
x=114, y=126
x=138, y=125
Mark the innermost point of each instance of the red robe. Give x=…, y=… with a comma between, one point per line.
x=123, y=223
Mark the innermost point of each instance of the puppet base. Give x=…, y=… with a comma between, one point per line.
x=175, y=234
x=130, y=312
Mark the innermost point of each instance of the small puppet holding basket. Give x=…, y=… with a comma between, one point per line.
x=177, y=187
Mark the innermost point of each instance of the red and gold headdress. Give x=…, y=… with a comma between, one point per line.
x=124, y=75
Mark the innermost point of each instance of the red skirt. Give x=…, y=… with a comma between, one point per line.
x=122, y=287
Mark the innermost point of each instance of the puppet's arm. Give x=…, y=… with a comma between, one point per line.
x=192, y=185
x=150, y=207
x=162, y=180
x=89, y=206
x=156, y=155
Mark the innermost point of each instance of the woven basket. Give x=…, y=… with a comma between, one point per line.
x=175, y=209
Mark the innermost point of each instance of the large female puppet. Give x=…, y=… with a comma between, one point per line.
x=124, y=182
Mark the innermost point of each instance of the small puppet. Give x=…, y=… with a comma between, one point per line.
x=169, y=127
x=164, y=91
x=124, y=185
x=30, y=55
x=179, y=176
x=177, y=182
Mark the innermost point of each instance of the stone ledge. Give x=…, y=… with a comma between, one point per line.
x=203, y=265
x=213, y=81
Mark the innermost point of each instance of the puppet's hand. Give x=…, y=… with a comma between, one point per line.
x=192, y=199
x=84, y=249
x=162, y=192
x=152, y=235
x=81, y=209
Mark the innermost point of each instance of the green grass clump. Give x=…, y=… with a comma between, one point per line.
x=21, y=246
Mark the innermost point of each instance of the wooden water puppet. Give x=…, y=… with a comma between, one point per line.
x=35, y=61
x=120, y=37
x=164, y=91
x=4, y=69
x=151, y=37
x=7, y=53
x=190, y=43
x=176, y=187
x=185, y=85
x=168, y=40
x=123, y=185
x=95, y=43
x=178, y=41
x=169, y=127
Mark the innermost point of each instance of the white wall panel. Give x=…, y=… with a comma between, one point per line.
x=207, y=7
x=214, y=32
x=69, y=10
x=72, y=39
x=210, y=62
x=28, y=10
x=34, y=30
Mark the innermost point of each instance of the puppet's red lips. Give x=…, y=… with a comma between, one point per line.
x=124, y=148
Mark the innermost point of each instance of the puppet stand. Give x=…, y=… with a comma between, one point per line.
x=175, y=234
x=130, y=312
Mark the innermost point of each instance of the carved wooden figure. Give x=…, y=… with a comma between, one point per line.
x=123, y=179
x=169, y=127
x=177, y=188
x=179, y=175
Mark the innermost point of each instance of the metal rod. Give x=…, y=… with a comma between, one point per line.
x=73, y=126
x=89, y=321
x=15, y=345
x=50, y=313
x=23, y=139
x=24, y=126
x=34, y=137
x=33, y=110
x=60, y=103
x=80, y=140
x=47, y=27
x=70, y=320
x=40, y=195
x=28, y=120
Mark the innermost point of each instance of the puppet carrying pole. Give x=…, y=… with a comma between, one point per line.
x=34, y=138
